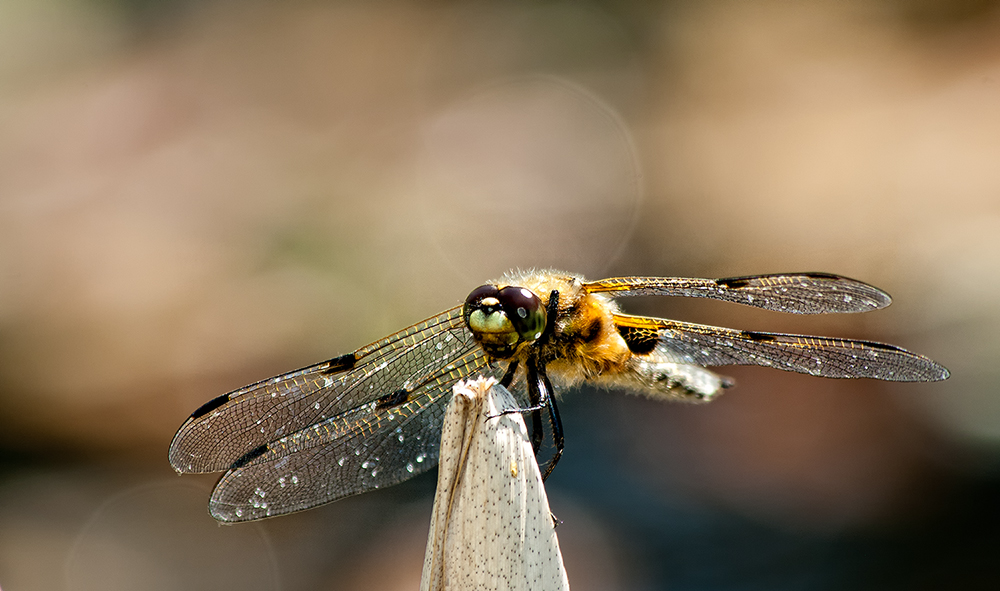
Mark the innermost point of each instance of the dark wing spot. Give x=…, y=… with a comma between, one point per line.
x=640, y=341
x=883, y=346
x=758, y=336
x=209, y=406
x=339, y=364
x=733, y=283
x=394, y=399
x=249, y=457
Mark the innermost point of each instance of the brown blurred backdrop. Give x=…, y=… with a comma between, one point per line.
x=197, y=195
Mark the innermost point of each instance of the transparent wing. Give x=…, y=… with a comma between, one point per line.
x=707, y=346
x=367, y=447
x=224, y=430
x=801, y=293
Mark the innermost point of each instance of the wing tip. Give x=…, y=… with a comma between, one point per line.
x=873, y=298
x=942, y=372
x=869, y=297
x=879, y=298
x=183, y=465
x=226, y=513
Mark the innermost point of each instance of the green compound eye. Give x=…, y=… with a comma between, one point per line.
x=524, y=310
x=502, y=319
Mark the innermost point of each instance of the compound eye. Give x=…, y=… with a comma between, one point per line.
x=475, y=301
x=524, y=310
x=480, y=293
x=482, y=311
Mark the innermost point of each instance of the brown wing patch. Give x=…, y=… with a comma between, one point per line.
x=641, y=339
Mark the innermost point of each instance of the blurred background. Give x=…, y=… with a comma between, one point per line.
x=198, y=195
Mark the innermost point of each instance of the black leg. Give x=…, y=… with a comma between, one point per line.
x=554, y=421
x=535, y=399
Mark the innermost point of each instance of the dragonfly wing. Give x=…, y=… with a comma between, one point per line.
x=708, y=346
x=801, y=293
x=367, y=447
x=226, y=428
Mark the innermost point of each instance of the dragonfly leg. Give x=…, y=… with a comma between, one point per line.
x=537, y=404
x=549, y=400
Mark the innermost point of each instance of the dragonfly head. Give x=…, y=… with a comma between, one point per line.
x=502, y=318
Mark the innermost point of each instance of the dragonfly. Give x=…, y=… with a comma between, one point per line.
x=372, y=418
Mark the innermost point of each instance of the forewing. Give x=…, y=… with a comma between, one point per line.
x=367, y=447
x=801, y=293
x=225, y=429
x=819, y=356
